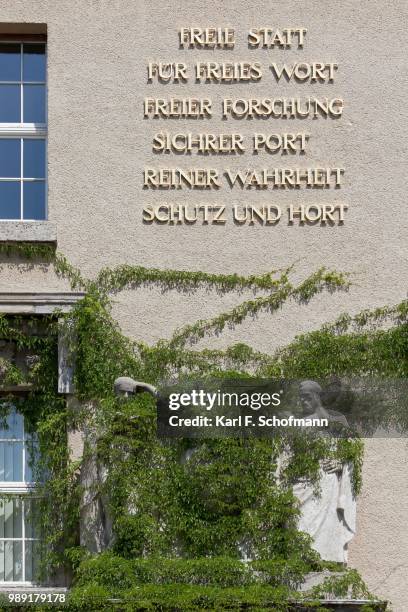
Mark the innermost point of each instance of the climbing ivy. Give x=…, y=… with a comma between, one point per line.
x=180, y=526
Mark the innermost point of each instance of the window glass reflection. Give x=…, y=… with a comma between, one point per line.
x=34, y=103
x=10, y=62
x=10, y=200
x=12, y=425
x=18, y=450
x=32, y=457
x=10, y=104
x=20, y=546
x=33, y=62
x=32, y=560
x=23, y=158
x=10, y=158
x=34, y=158
x=34, y=201
x=11, y=518
x=11, y=561
x=11, y=461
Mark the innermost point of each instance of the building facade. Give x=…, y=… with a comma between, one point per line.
x=75, y=140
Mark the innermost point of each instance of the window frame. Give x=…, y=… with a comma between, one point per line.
x=39, y=304
x=22, y=490
x=36, y=131
x=26, y=303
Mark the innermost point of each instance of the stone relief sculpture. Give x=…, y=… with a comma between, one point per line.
x=330, y=518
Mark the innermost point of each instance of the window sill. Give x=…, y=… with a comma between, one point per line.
x=11, y=588
x=28, y=231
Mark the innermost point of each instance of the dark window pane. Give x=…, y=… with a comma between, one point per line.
x=34, y=201
x=10, y=62
x=9, y=202
x=10, y=104
x=32, y=560
x=32, y=471
x=32, y=518
x=34, y=103
x=34, y=158
x=10, y=157
x=34, y=63
x=17, y=560
x=11, y=561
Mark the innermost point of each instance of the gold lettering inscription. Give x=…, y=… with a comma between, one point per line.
x=303, y=71
x=167, y=71
x=219, y=144
x=172, y=108
x=164, y=142
x=188, y=140
x=285, y=178
x=268, y=38
x=282, y=108
x=272, y=143
x=169, y=178
x=207, y=38
x=213, y=214
x=317, y=213
x=228, y=72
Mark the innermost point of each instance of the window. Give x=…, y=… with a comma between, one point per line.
x=19, y=540
x=23, y=168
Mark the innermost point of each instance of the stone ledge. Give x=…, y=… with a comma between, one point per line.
x=331, y=602
x=28, y=231
x=29, y=588
x=334, y=605
x=347, y=605
x=38, y=303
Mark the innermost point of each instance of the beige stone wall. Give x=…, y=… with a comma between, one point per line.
x=99, y=144
x=380, y=548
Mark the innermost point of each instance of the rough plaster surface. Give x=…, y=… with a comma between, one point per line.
x=99, y=143
x=380, y=548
